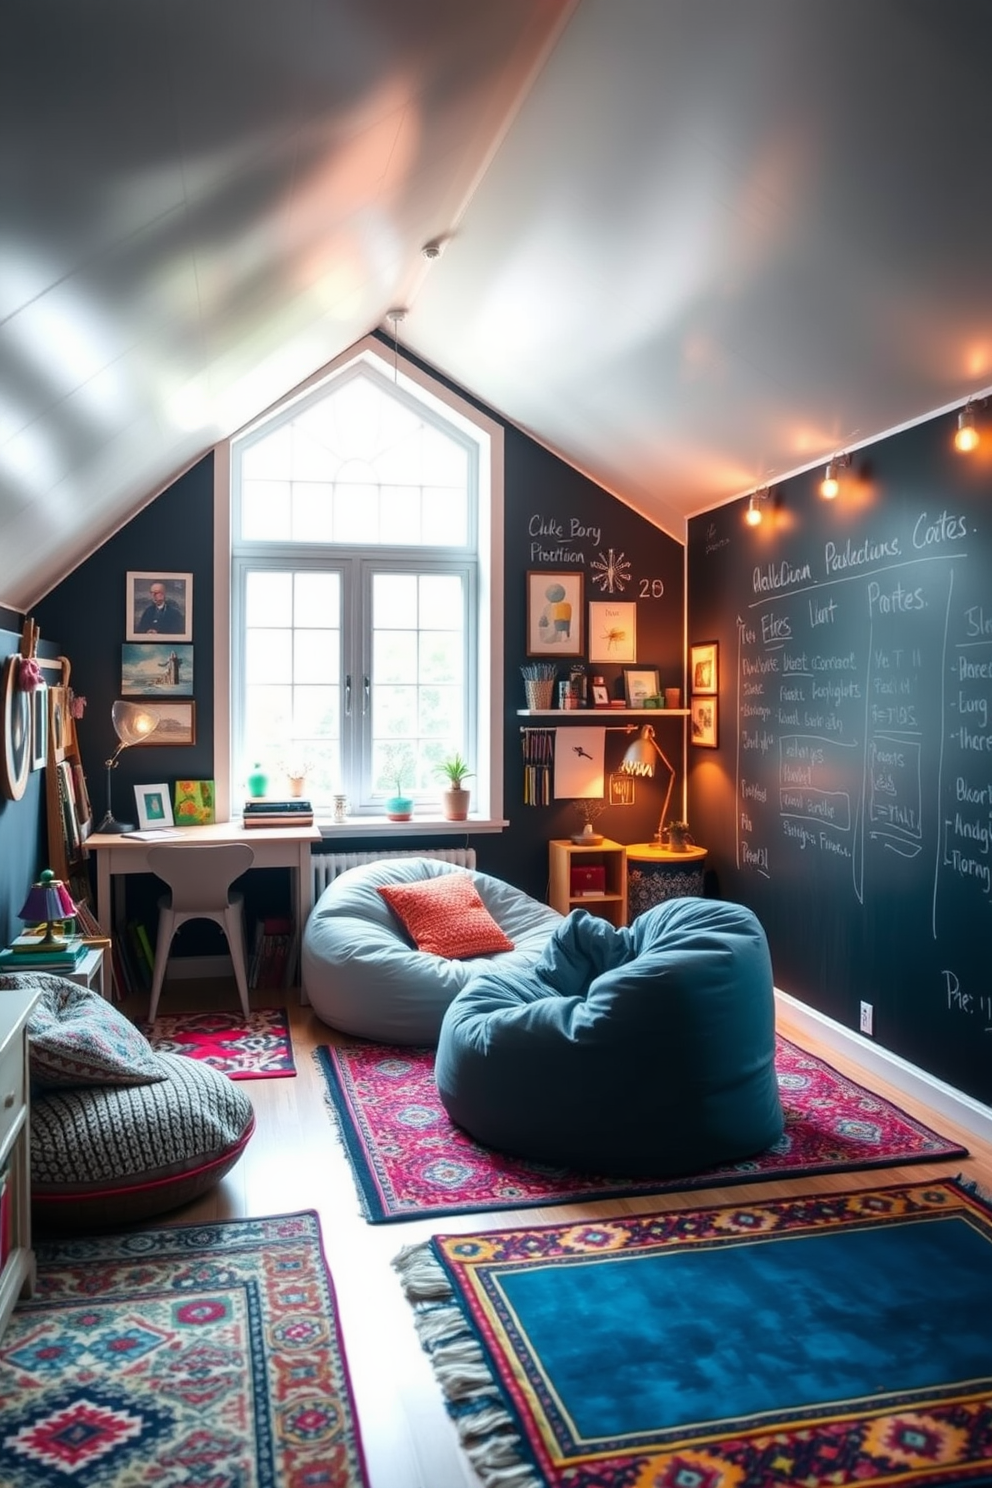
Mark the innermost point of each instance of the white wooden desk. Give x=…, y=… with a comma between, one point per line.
x=275, y=847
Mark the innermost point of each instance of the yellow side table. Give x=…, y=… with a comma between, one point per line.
x=656, y=873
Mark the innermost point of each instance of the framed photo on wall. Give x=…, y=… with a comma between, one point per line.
x=612, y=630
x=176, y=725
x=704, y=673
x=159, y=604
x=154, y=805
x=39, y=727
x=703, y=722
x=156, y=670
x=554, y=614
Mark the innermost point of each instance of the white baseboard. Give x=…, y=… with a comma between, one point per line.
x=968, y=1113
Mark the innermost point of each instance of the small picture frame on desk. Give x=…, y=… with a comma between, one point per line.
x=600, y=696
x=639, y=684
x=703, y=722
x=154, y=805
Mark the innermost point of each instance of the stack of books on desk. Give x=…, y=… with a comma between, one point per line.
x=29, y=953
x=294, y=813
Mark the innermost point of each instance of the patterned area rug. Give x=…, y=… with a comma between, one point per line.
x=260, y=1049
x=409, y=1160
x=191, y=1355
x=841, y=1341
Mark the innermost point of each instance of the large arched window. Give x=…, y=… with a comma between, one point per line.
x=364, y=531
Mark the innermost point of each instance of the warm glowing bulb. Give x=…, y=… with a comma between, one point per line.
x=753, y=514
x=830, y=485
x=966, y=437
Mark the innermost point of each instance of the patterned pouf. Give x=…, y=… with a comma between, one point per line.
x=119, y=1131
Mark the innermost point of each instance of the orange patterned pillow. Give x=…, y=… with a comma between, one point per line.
x=446, y=917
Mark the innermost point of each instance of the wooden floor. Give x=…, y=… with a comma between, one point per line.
x=294, y=1162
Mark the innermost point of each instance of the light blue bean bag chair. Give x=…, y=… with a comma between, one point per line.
x=643, y=1052
x=362, y=971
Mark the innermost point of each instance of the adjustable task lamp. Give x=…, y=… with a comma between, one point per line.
x=48, y=901
x=132, y=722
x=640, y=760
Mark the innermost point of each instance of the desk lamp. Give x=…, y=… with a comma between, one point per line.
x=640, y=760
x=48, y=900
x=132, y=722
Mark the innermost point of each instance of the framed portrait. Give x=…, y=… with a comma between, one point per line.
x=159, y=604
x=154, y=805
x=176, y=725
x=612, y=630
x=704, y=672
x=554, y=614
x=639, y=683
x=156, y=670
x=703, y=722
x=39, y=727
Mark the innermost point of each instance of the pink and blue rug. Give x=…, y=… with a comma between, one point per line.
x=259, y=1049
x=409, y=1160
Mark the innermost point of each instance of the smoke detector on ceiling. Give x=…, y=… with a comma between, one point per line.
x=433, y=249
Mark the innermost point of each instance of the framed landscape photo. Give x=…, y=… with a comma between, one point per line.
x=176, y=725
x=639, y=684
x=554, y=614
x=159, y=604
x=154, y=805
x=703, y=722
x=704, y=674
x=153, y=670
x=612, y=630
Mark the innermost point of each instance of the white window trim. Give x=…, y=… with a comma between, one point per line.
x=489, y=763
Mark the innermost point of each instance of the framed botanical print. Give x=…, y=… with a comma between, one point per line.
x=703, y=722
x=612, y=630
x=704, y=674
x=554, y=614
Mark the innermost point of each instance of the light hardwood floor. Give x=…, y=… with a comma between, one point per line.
x=294, y=1162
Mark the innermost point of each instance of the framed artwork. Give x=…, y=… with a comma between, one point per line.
x=703, y=722
x=554, y=614
x=154, y=670
x=600, y=696
x=194, y=802
x=15, y=732
x=57, y=721
x=176, y=725
x=612, y=630
x=639, y=684
x=704, y=672
x=39, y=727
x=154, y=806
x=159, y=604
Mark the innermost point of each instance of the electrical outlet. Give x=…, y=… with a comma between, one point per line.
x=867, y=1012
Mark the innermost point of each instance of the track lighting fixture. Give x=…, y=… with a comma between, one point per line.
x=755, y=502
x=830, y=484
x=966, y=435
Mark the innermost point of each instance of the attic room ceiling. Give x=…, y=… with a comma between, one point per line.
x=689, y=245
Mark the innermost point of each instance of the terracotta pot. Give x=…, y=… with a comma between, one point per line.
x=455, y=804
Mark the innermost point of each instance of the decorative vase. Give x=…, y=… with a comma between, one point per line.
x=455, y=804
x=297, y=784
x=399, y=808
x=258, y=782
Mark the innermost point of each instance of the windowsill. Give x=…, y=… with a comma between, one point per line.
x=417, y=826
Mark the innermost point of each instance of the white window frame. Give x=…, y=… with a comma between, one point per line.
x=487, y=784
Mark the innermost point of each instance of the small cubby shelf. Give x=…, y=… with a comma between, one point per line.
x=565, y=854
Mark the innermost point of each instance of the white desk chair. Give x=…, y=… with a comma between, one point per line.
x=200, y=877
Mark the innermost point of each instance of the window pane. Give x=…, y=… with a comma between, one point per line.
x=394, y=656
x=440, y=602
x=313, y=510
x=315, y=657
x=395, y=600
x=317, y=599
x=269, y=599
x=265, y=511
x=356, y=514
x=266, y=655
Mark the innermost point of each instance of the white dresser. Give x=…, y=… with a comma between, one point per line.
x=18, y=1270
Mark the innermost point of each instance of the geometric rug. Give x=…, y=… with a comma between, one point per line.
x=823, y=1340
x=409, y=1160
x=204, y=1355
x=260, y=1049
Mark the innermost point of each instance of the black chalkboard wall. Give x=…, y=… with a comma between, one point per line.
x=849, y=801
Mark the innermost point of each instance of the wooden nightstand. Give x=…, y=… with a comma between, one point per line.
x=611, y=904
x=17, y=1271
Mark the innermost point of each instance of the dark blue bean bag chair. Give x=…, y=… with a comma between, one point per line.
x=646, y=1052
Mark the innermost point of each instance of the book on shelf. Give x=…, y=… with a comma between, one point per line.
x=297, y=806
x=39, y=961
x=273, y=819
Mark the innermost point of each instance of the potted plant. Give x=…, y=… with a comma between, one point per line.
x=456, y=798
x=588, y=808
x=399, y=807
x=679, y=836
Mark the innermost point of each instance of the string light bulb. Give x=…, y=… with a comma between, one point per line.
x=830, y=484
x=966, y=434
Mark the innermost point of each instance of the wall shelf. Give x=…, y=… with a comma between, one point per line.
x=583, y=715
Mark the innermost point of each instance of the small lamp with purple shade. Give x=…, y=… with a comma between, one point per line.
x=48, y=901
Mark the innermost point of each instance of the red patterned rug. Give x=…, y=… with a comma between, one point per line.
x=204, y=1354
x=260, y=1049
x=409, y=1160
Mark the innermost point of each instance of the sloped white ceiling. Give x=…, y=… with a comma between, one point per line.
x=688, y=244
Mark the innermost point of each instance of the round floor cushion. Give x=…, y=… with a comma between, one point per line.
x=390, y=943
x=647, y=1051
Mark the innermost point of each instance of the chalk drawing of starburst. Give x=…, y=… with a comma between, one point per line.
x=611, y=571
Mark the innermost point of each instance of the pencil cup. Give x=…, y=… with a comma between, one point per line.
x=539, y=693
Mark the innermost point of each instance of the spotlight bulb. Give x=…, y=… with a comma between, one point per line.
x=966, y=437
x=753, y=514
